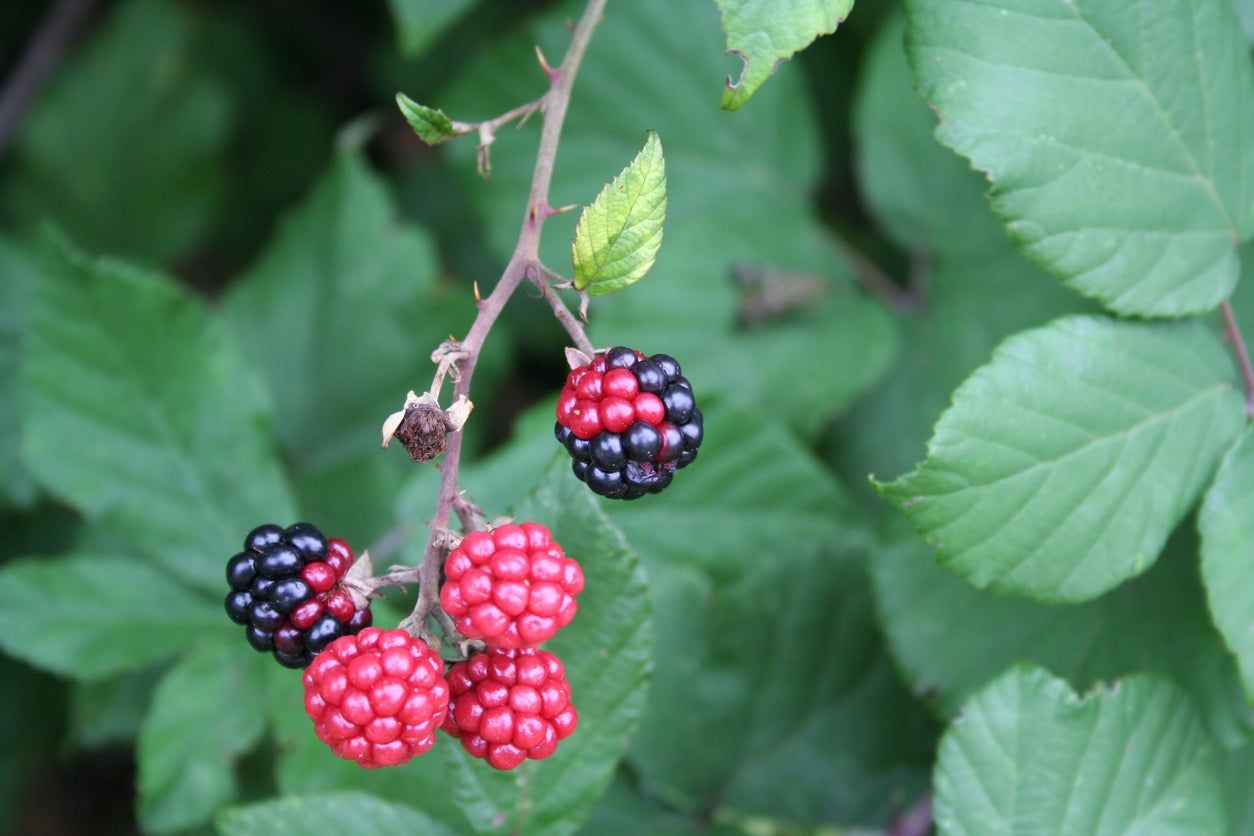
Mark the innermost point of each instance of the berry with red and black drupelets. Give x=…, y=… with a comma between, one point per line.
x=507, y=706
x=629, y=422
x=286, y=590
x=511, y=587
x=377, y=698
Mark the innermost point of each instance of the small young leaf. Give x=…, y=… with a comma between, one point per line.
x=1065, y=462
x=1226, y=523
x=431, y=125
x=765, y=33
x=1116, y=143
x=332, y=812
x=206, y=712
x=90, y=617
x=1030, y=756
x=618, y=236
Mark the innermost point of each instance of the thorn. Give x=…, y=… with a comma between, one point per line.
x=544, y=64
x=584, y=299
x=550, y=210
x=478, y=298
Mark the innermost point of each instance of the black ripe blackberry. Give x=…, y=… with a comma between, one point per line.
x=629, y=422
x=286, y=591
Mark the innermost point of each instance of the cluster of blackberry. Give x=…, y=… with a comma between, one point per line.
x=629, y=422
x=285, y=589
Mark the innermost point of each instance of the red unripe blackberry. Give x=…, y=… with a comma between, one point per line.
x=510, y=587
x=506, y=706
x=285, y=589
x=629, y=422
x=377, y=698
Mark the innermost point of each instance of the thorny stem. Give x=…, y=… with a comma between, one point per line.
x=526, y=253
x=563, y=314
x=1233, y=333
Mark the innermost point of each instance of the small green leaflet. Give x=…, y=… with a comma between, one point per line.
x=1065, y=462
x=1029, y=756
x=1226, y=523
x=765, y=33
x=1116, y=136
x=618, y=236
x=431, y=125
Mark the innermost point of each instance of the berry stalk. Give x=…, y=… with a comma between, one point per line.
x=525, y=258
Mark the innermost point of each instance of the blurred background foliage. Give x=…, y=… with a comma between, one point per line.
x=224, y=260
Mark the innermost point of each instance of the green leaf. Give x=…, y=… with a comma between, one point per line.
x=420, y=22
x=110, y=711
x=1065, y=462
x=340, y=260
x=1115, y=142
x=765, y=33
x=924, y=196
x=138, y=410
x=126, y=149
x=951, y=639
x=606, y=650
x=431, y=125
x=1030, y=756
x=90, y=617
x=1227, y=545
x=17, y=267
x=332, y=814
x=619, y=234
x=206, y=712
x=743, y=200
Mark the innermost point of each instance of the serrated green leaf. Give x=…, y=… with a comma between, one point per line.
x=17, y=268
x=1115, y=142
x=138, y=410
x=607, y=652
x=206, y=712
x=1065, y=462
x=341, y=259
x=951, y=639
x=90, y=617
x=420, y=22
x=1029, y=756
x=327, y=814
x=1227, y=550
x=619, y=234
x=91, y=156
x=765, y=33
x=431, y=125
x=745, y=199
